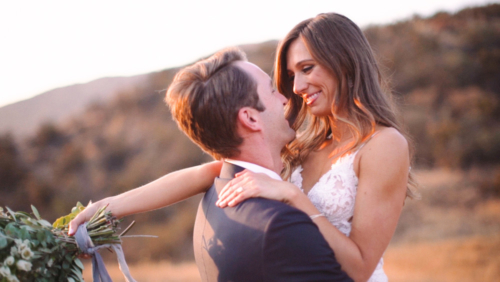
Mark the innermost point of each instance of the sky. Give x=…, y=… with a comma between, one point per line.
x=50, y=44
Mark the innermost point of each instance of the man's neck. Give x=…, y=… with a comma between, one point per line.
x=254, y=168
x=262, y=157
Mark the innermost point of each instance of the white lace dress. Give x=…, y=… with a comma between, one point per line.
x=334, y=195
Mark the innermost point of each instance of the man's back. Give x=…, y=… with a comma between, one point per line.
x=259, y=240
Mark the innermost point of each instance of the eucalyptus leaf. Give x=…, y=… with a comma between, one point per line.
x=23, y=214
x=27, y=228
x=45, y=223
x=41, y=236
x=11, y=213
x=77, y=271
x=30, y=222
x=78, y=263
x=36, y=213
x=23, y=233
x=11, y=230
x=49, y=237
x=3, y=242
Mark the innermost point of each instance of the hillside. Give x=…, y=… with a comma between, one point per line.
x=24, y=117
x=443, y=71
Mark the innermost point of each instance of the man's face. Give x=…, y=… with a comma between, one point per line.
x=275, y=127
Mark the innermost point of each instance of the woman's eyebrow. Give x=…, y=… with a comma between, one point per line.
x=303, y=61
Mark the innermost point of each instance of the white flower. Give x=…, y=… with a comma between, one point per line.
x=21, y=246
x=4, y=271
x=23, y=265
x=50, y=262
x=12, y=278
x=13, y=251
x=9, y=261
x=26, y=253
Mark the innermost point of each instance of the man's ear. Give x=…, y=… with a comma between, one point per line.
x=249, y=118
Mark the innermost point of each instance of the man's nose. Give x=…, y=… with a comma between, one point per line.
x=283, y=99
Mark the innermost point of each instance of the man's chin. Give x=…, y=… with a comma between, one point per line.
x=292, y=135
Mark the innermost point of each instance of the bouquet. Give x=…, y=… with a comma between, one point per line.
x=32, y=249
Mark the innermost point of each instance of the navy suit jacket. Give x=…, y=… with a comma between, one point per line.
x=259, y=240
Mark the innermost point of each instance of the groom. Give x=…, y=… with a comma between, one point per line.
x=229, y=107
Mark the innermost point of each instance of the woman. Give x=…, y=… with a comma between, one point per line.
x=349, y=159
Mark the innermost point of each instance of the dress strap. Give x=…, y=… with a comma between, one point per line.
x=367, y=140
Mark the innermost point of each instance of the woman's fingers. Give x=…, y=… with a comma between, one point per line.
x=229, y=189
x=83, y=216
x=229, y=198
x=240, y=197
x=238, y=182
x=231, y=192
x=246, y=185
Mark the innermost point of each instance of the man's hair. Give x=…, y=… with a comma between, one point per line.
x=205, y=98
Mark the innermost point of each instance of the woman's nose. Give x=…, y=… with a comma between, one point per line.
x=299, y=85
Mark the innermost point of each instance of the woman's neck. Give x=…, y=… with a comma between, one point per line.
x=341, y=132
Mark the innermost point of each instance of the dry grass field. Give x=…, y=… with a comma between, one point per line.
x=452, y=234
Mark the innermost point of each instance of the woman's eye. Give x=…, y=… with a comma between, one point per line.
x=291, y=78
x=307, y=69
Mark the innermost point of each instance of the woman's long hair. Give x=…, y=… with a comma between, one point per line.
x=339, y=46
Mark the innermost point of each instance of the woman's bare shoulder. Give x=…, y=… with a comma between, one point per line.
x=388, y=138
x=388, y=145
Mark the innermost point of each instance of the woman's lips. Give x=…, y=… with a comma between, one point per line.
x=310, y=98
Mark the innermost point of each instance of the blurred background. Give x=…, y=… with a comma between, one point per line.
x=100, y=127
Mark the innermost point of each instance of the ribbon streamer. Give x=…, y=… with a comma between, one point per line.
x=99, y=272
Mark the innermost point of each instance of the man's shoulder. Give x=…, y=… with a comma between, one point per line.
x=271, y=212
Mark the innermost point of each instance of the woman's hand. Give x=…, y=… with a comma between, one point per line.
x=81, y=218
x=248, y=184
x=84, y=216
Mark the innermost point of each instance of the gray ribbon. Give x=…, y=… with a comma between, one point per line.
x=99, y=272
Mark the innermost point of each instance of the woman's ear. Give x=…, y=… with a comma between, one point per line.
x=249, y=118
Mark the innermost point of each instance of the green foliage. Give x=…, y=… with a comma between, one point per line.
x=31, y=249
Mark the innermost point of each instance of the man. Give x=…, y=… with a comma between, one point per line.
x=229, y=107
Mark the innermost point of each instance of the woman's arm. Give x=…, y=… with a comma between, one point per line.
x=167, y=190
x=383, y=177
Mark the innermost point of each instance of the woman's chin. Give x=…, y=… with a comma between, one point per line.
x=319, y=112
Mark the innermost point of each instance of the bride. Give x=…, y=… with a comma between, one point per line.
x=348, y=168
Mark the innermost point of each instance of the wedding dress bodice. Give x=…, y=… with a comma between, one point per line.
x=334, y=196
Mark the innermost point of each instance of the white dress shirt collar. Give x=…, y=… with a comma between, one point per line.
x=255, y=168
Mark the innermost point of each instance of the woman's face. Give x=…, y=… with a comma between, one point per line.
x=311, y=81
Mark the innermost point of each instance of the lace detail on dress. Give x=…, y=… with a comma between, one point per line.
x=334, y=196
